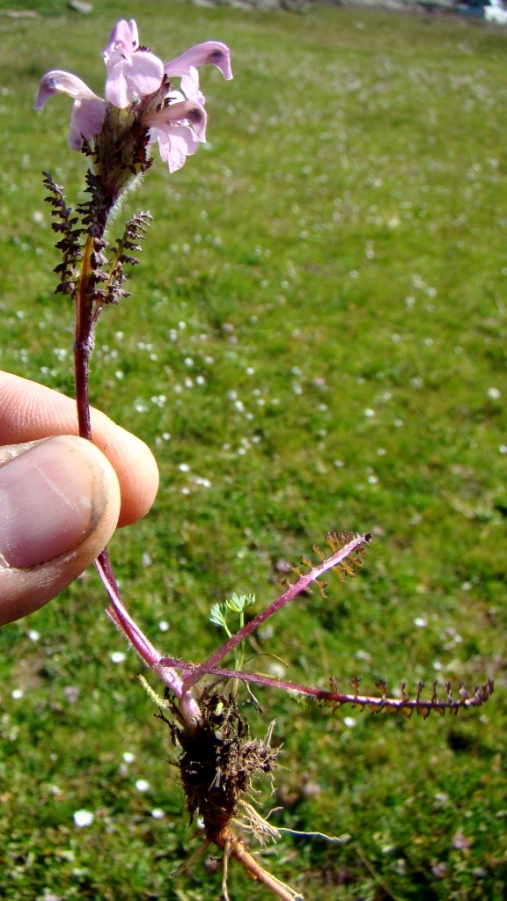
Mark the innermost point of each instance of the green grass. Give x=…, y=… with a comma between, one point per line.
x=315, y=330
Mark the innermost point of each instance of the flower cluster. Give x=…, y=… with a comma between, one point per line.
x=140, y=103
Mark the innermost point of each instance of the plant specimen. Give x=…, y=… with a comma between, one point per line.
x=218, y=758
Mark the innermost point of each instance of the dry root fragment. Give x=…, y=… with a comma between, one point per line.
x=234, y=847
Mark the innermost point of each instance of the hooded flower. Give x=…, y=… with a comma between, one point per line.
x=88, y=112
x=141, y=105
x=211, y=53
x=131, y=72
x=180, y=124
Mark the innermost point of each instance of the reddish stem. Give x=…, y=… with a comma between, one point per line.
x=293, y=590
x=83, y=346
x=120, y=616
x=83, y=342
x=337, y=698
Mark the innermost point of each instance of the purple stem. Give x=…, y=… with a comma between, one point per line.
x=480, y=696
x=293, y=590
x=117, y=612
x=83, y=343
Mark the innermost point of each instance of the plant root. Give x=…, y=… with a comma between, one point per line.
x=217, y=762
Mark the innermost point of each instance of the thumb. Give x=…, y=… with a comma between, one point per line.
x=59, y=506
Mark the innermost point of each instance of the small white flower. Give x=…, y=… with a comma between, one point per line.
x=142, y=785
x=83, y=818
x=118, y=656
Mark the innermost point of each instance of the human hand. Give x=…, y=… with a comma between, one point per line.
x=61, y=497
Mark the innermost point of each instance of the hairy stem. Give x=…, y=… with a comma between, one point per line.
x=117, y=612
x=120, y=616
x=336, y=698
x=359, y=541
x=83, y=342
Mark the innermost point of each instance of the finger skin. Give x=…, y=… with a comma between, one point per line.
x=24, y=590
x=29, y=411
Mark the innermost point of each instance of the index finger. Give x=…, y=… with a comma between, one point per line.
x=29, y=411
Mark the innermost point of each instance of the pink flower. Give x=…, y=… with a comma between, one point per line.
x=88, y=112
x=178, y=128
x=180, y=124
x=211, y=53
x=130, y=72
x=138, y=83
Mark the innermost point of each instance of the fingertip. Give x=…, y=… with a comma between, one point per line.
x=30, y=411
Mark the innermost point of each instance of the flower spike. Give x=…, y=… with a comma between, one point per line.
x=141, y=106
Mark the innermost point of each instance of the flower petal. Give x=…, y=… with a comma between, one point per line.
x=213, y=53
x=181, y=113
x=86, y=121
x=128, y=77
x=189, y=84
x=130, y=72
x=124, y=39
x=88, y=112
x=146, y=72
x=175, y=143
x=59, y=82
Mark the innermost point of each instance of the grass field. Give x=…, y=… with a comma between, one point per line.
x=316, y=340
